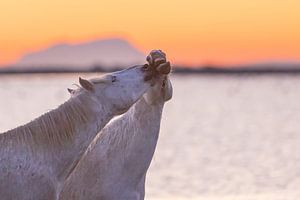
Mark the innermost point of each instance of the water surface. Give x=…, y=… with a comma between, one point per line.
x=222, y=137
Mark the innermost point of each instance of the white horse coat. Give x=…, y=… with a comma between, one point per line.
x=35, y=159
x=114, y=166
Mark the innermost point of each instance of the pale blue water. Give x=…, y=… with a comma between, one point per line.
x=222, y=137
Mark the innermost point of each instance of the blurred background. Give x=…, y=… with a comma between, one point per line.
x=231, y=130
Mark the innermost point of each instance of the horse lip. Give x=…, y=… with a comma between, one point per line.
x=160, y=67
x=150, y=74
x=164, y=68
x=148, y=78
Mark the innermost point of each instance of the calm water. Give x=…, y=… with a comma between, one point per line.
x=222, y=137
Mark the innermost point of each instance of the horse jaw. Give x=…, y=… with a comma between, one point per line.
x=168, y=90
x=161, y=91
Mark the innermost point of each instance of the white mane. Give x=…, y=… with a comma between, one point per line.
x=52, y=128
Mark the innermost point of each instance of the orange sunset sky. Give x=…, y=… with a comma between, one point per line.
x=191, y=32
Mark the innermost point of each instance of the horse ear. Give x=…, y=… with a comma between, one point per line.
x=86, y=84
x=71, y=91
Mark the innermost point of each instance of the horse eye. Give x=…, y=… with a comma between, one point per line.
x=113, y=78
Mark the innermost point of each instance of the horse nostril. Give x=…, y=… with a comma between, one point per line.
x=145, y=67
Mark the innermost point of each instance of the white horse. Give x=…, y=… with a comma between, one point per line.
x=114, y=166
x=36, y=158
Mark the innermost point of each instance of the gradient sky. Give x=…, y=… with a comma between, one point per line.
x=190, y=31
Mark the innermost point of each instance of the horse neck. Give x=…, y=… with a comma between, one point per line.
x=140, y=121
x=133, y=137
x=58, y=138
x=121, y=145
x=145, y=120
x=99, y=113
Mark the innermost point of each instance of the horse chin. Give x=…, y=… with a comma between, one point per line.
x=168, y=95
x=159, y=92
x=168, y=90
x=149, y=98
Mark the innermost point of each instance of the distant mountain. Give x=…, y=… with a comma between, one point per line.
x=105, y=53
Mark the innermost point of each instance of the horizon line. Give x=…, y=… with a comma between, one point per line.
x=70, y=42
